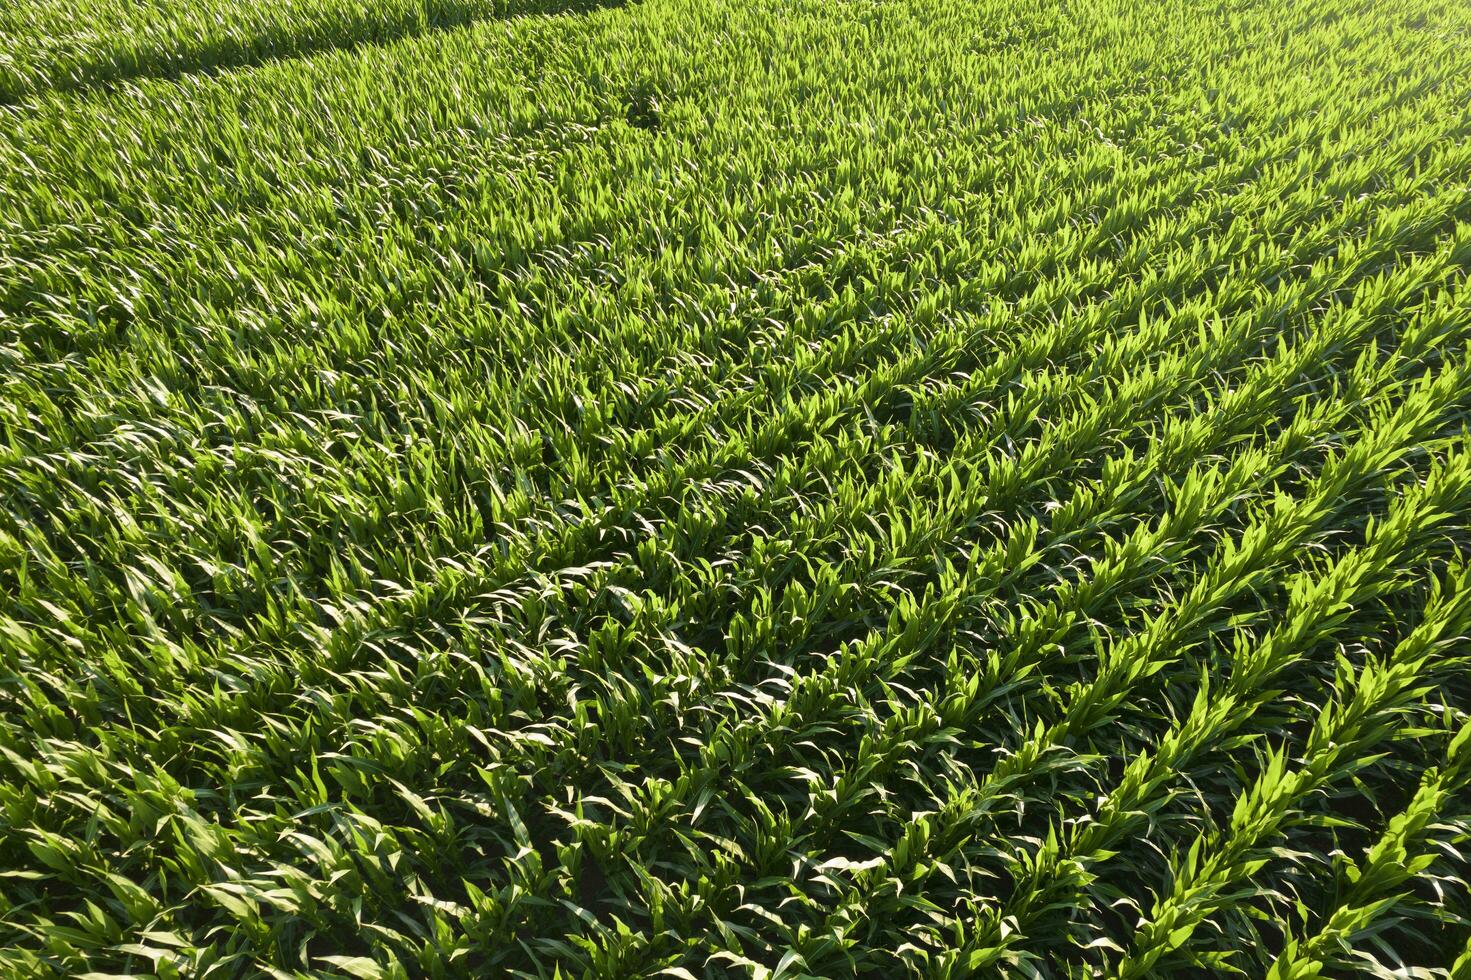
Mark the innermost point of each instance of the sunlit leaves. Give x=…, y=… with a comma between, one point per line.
x=681, y=489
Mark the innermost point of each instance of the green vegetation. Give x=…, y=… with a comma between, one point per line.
x=735, y=488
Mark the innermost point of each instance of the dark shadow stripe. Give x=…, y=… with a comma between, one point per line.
x=113, y=66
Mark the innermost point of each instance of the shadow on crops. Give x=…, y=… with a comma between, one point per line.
x=110, y=67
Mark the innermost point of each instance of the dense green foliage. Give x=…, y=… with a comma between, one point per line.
x=735, y=487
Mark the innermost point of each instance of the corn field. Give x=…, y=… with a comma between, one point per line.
x=735, y=488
